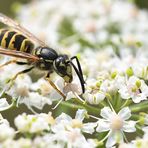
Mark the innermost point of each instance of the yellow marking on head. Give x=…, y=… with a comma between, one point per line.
x=69, y=70
x=66, y=78
x=62, y=64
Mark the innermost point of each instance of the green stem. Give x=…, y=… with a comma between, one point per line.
x=139, y=104
x=90, y=109
x=73, y=106
x=117, y=100
x=12, y=105
x=139, y=130
x=139, y=108
x=135, y=117
x=126, y=103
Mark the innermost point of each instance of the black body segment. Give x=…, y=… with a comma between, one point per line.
x=9, y=37
x=47, y=56
x=46, y=53
x=13, y=40
x=17, y=41
x=2, y=33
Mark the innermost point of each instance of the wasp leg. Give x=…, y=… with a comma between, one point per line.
x=54, y=86
x=16, y=75
x=13, y=61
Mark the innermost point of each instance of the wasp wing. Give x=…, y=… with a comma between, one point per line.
x=19, y=54
x=11, y=23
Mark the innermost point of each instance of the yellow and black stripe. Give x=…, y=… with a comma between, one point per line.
x=13, y=40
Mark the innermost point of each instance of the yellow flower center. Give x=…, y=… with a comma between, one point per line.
x=22, y=91
x=51, y=120
x=116, y=122
x=76, y=123
x=45, y=89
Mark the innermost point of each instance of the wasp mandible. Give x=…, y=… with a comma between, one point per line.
x=19, y=42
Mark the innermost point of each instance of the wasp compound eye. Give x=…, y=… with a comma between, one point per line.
x=63, y=68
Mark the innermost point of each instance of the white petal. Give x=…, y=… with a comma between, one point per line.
x=106, y=113
x=80, y=114
x=54, y=95
x=35, y=100
x=124, y=93
x=103, y=126
x=63, y=117
x=129, y=126
x=114, y=137
x=89, y=127
x=3, y=104
x=60, y=83
x=110, y=141
x=125, y=113
x=70, y=95
x=139, y=98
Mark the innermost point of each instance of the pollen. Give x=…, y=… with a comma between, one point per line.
x=116, y=122
x=45, y=89
x=51, y=120
x=76, y=123
x=22, y=91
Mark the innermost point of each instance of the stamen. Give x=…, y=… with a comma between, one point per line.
x=57, y=104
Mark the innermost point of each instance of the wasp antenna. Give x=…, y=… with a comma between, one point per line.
x=80, y=75
x=79, y=66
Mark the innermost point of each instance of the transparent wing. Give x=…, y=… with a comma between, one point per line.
x=18, y=54
x=11, y=23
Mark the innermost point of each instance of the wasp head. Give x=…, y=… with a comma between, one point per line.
x=63, y=68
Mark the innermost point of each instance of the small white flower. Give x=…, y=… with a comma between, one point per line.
x=68, y=89
x=134, y=88
x=43, y=86
x=108, y=86
x=94, y=98
x=6, y=131
x=93, y=95
x=69, y=138
x=32, y=123
x=141, y=142
x=36, y=100
x=126, y=145
x=65, y=123
x=22, y=89
x=116, y=124
x=22, y=142
x=4, y=104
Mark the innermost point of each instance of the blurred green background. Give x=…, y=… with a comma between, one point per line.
x=8, y=6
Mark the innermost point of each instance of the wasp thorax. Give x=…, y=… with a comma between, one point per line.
x=63, y=68
x=47, y=56
x=46, y=53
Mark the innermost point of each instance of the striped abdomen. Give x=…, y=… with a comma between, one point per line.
x=15, y=41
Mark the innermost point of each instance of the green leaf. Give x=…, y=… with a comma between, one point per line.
x=66, y=28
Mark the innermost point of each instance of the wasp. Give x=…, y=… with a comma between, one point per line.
x=19, y=42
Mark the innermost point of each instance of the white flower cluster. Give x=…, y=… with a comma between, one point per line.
x=59, y=132
x=109, y=38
